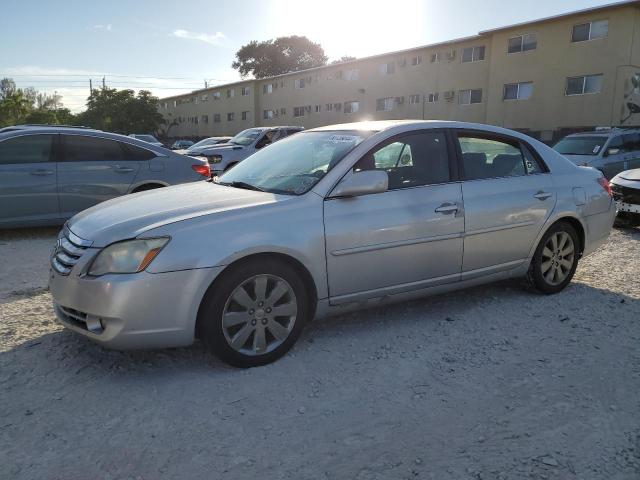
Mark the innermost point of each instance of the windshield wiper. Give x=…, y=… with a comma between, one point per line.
x=245, y=185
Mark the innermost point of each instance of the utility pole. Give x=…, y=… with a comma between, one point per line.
x=103, y=84
x=205, y=83
x=90, y=87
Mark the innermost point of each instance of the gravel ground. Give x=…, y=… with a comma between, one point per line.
x=491, y=383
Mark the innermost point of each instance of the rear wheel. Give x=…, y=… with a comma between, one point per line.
x=555, y=260
x=255, y=313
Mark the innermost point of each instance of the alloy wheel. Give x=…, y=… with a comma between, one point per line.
x=558, y=257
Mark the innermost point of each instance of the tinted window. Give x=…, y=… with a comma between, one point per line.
x=531, y=163
x=410, y=160
x=631, y=142
x=136, y=153
x=490, y=158
x=79, y=148
x=26, y=149
x=581, y=145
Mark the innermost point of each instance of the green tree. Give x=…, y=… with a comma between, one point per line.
x=14, y=108
x=275, y=57
x=344, y=58
x=122, y=111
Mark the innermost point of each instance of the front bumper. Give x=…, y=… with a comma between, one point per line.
x=142, y=310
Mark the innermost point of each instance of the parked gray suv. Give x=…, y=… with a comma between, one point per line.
x=48, y=174
x=224, y=156
x=610, y=150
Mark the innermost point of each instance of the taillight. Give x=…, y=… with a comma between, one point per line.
x=203, y=170
x=604, y=183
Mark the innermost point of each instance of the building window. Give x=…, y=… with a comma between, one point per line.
x=245, y=115
x=283, y=111
x=245, y=91
x=231, y=117
x=231, y=92
x=523, y=43
x=417, y=60
x=267, y=114
x=205, y=118
x=205, y=97
x=590, y=31
x=298, y=111
x=585, y=84
x=329, y=107
x=195, y=120
x=195, y=100
x=267, y=88
x=384, y=104
x=414, y=99
x=435, y=57
x=473, y=54
x=318, y=108
x=518, y=91
x=351, y=107
x=299, y=83
x=388, y=68
x=351, y=75
x=432, y=97
x=468, y=97
x=216, y=95
x=216, y=118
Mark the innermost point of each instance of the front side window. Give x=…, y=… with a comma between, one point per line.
x=490, y=158
x=78, y=148
x=590, y=31
x=295, y=164
x=26, y=149
x=473, y=54
x=410, y=160
x=522, y=43
x=518, y=91
x=584, y=84
x=351, y=107
x=631, y=142
x=468, y=97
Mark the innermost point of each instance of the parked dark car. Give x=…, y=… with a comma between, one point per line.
x=48, y=174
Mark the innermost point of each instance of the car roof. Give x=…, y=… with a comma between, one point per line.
x=38, y=127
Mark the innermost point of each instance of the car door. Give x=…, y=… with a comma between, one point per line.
x=631, y=150
x=28, y=189
x=92, y=169
x=508, y=195
x=406, y=238
x=613, y=157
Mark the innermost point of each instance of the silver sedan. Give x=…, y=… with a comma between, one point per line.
x=329, y=220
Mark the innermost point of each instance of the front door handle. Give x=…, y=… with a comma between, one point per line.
x=121, y=169
x=447, y=208
x=41, y=172
x=542, y=195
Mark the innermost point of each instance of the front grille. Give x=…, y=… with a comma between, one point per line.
x=81, y=319
x=626, y=194
x=68, y=250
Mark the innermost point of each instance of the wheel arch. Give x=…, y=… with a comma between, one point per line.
x=147, y=185
x=572, y=220
x=304, y=273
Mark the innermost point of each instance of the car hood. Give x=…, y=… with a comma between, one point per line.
x=580, y=159
x=220, y=148
x=633, y=175
x=131, y=215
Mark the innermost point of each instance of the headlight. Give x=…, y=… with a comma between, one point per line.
x=131, y=256
x=215, y=158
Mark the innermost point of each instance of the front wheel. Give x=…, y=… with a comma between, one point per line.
x=255, y=313
x=555, y=260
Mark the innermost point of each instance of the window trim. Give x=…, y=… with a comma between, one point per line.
x=470, y=90
x=584, y=83
x=504, y=90
x=590, y=22
x=499, y=137
x=522, y=50
x=473, y=49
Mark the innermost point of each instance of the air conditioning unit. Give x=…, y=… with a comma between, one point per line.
x=449, y=95
x=399, y=100
x=451, y=56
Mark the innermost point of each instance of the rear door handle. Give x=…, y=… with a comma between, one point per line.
x=41, y=172
x=121, y=169
x=542, y=195
x=447, y=208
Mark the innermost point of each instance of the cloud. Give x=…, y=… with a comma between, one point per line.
x=210, y=38
x=103, y=28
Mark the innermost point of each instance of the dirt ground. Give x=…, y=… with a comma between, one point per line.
x=490, y=383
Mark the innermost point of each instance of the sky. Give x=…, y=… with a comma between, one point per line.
x=172, y=47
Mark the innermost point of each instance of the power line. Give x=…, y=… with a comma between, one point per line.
x=87, y=75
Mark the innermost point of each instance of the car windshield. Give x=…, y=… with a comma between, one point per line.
x=294, y=165
x=205, y=142
x=147, y=138
x=246, y=137
x=580, y=145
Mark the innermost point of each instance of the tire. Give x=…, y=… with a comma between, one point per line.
x=552, y=269
x=238, y=322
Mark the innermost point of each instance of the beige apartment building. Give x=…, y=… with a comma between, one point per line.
x=546, y=77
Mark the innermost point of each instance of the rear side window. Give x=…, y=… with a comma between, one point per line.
x=410, y=160
x=26, y=149
x=136, y=153
x=78, y=148
x=490, y=158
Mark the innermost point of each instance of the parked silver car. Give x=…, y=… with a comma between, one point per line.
x=203, y=145
x=329, y=220
x=227, y=155
x=610, y=150
x=48, y=174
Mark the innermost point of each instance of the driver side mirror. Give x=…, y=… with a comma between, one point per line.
x=611, y=151
x=360, y=183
